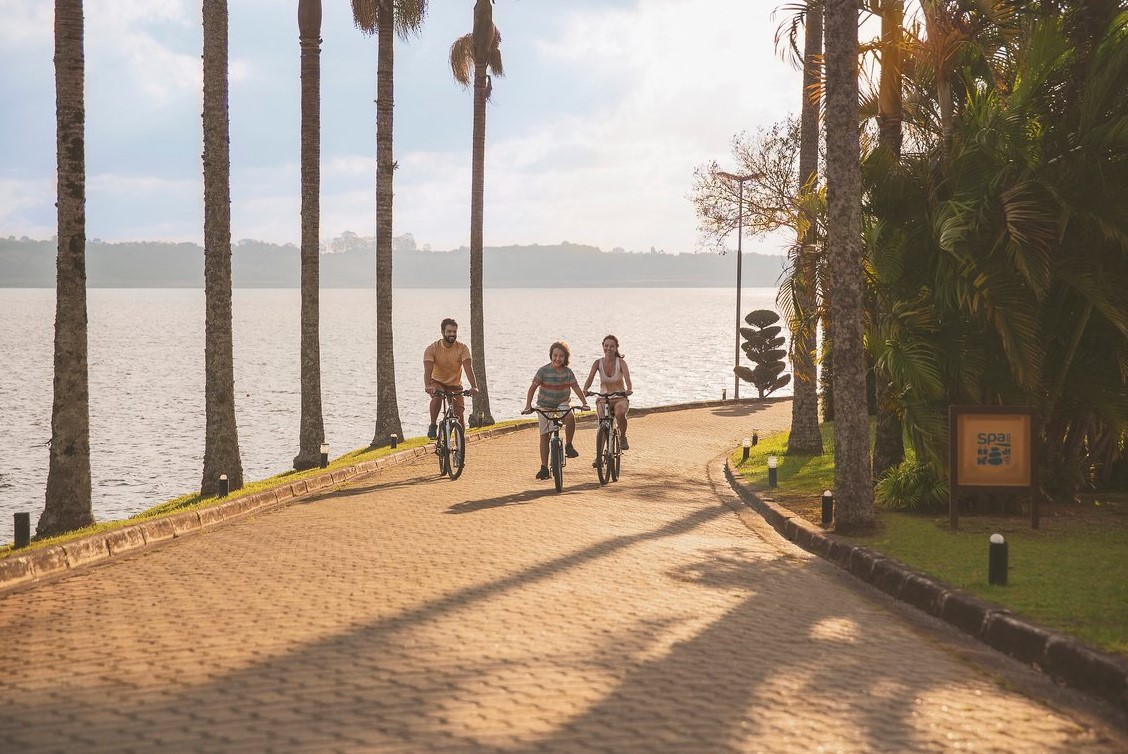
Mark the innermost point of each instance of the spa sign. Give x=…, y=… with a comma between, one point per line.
x=991, y=447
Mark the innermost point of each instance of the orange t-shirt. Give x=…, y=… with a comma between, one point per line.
x=448, y=361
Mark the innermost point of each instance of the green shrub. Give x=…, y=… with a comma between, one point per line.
x=912, y=486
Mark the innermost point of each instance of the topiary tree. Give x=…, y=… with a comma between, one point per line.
x=763, y=345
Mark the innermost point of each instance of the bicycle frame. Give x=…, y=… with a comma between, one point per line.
x=557, y=459
x=450, y=440
x=608, y=453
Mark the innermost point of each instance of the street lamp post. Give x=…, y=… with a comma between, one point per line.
x=740, y=179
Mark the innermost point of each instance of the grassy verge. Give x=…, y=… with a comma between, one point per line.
x=1067, y=575
x=195, y=501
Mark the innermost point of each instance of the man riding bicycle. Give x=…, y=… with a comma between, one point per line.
x=443, y=363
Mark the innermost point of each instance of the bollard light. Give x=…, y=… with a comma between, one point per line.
x=746, y=446
x=724, y=394
x=224, y=485
x=755, y=438
x=773, y=464
x=324, y=455
x=23, y=530
x=997, y=560
x=395, y=440
x=827, y=507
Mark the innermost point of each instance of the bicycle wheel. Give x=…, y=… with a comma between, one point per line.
x=440, y=448
x=455, y=449
x=615, y=455
x=556, y=459
x=603, y=455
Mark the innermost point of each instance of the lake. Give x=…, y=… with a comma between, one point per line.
x=147, y=375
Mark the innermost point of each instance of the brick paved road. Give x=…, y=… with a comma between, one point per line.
x=405, y=613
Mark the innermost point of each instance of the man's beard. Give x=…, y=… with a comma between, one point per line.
x=450, y=338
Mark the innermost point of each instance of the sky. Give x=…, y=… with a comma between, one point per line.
x=592, y=136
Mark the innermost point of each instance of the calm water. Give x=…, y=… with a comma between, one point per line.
x=146, y=372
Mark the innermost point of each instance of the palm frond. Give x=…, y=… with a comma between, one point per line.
x=462, y=60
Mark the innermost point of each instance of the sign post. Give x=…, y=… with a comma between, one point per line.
x=991, y=449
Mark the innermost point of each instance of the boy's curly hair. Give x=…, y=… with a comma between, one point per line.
x=563, y=347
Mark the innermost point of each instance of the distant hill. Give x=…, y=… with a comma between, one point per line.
x=28, y=263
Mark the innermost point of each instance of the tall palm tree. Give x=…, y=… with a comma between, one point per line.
x=888, y=447
x=479, y=52
x=852, y=485
x=311, y=432
x=221, y=438
x=68, y=503
x=805, y=437
x=385, y=19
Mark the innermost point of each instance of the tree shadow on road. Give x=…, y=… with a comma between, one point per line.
x=518, y=498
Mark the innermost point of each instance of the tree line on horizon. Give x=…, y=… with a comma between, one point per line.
x=257, y=264
x=963, y=240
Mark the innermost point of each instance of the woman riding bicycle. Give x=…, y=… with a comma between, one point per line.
x=555, y=380
x=614, y=377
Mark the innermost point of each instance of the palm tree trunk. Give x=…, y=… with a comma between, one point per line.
x=888, y=443
x=477, y=219
x=68, y=495
x=805, y=436
x=221, y=438
x=311, y=432
x=852, y=484
x=387, y=409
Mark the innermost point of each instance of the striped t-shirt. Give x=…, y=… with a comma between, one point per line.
x=555, y=386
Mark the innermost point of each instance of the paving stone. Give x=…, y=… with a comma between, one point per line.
x=403, y=612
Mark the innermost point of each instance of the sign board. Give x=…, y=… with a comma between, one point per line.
x=991, y=450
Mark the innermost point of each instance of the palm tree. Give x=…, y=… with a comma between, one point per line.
x=311, y=431
x=805, y=437
x=888, y=447
x=221, y=438
x=480, y=52
x=852, y=485
x=385, y=18
x=68, y=505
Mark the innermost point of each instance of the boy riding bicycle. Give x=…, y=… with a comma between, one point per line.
x=556, y=382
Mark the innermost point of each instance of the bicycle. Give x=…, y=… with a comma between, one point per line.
x=450, y=441
x=608, y=450
x=556, y=456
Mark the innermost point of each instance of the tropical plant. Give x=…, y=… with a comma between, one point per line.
x=1000, y=248
x=386, y=19
x=853, y=488
x=762, y=346
x=474, y=59
x=311, y=428
x=68, y=504
x=221, y=438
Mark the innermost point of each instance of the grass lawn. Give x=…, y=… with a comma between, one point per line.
x=1068, y=575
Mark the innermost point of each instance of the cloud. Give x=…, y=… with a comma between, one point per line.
x=26, y=24
x=21, y=207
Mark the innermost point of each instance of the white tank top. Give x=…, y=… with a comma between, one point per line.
x=612, y=378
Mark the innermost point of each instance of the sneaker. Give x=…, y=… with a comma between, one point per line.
x=623, y=444
x=543, y=473
x=432, y=431
x=570, y=451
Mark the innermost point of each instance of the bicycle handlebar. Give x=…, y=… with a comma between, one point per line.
x=556, y=414
x=615, y=394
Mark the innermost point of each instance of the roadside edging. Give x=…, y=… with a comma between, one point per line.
x=49, y=562
x=1065, y=659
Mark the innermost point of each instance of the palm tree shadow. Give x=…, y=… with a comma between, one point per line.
x=517, y=498
x=740, y=409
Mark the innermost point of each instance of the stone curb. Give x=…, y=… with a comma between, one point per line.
x=39, y=564
x=1066, y=660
